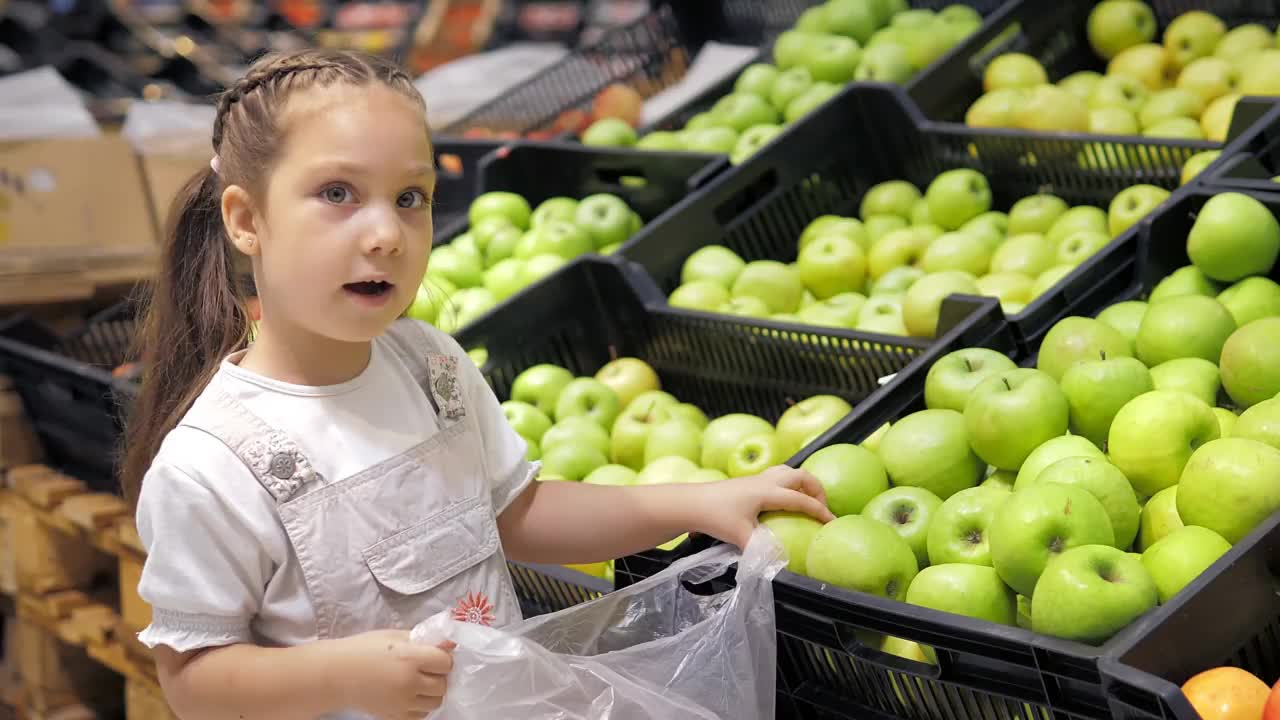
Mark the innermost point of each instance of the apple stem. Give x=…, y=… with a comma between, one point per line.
x=968, y=365
x=1007, y=386
x=1102, y=354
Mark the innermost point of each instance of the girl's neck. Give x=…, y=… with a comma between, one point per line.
x=295, y=356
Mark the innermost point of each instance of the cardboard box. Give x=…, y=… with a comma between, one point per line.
x=165, y=174
x=74, y=217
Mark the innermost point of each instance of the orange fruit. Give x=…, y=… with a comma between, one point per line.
x=1227, y=693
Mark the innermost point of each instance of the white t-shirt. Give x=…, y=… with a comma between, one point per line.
x=220, y=568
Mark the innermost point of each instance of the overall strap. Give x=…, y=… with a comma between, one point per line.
x=434, y=369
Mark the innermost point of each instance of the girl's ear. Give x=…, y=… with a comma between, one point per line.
x=238, y=218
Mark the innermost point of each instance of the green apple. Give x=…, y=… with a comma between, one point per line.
x=1118, y=24
x=1234, y=236
x=1229, y=487
x=1179, y=557
x=505, y=204
x=1050, y=452
x=1258, y=73
x=1242, y=41
x=1131, y=205
x=1077, y=339
x=572, y=461
x=896, y=281
x=791, y=47
x=1074, y=220
x=810, y=100
x=1168, y=104
x=661, y=140
x=1252, y=298
x=872, y=441
x=1025, y=253
x=1113, y=120
x=484, y=231
x=997, y=109
x=796, y=532
x=541, y=386
x=957, y=196
x=999, y=480
x=741, y=111
x=930, y=449
x=605, y=218
x=462, y=269
x=617, y=475
x=675, y=436
x=502, y=244
x=881, y=226
x=923, y=302
x=1039, y=522
x=1078, y=247
x=1119, y=91
x=1090, y=593
x=700, y=121
x=705, y=295
x=791, y=84
x=528, y=421
x=652, y=399
x=1159, y=518
x=589, y=397
x=1190, y=375
x=958, y=251
x=1216, y=120
x=1193, y=34
x=757, y=79
x=629, y=436
x=715, y=263
x=960, y=528
x=909, y=511
x=1250, y=369
x=920, y=213
x=1226, y=421
x=1183, y=326
x=1188, y=280
x=858, y=553
x=670, y=470
x=831, y=265
x=1260, y=422
x=575, y=431
x=811, y=416
x=716, y=140
x=752, y=141
x=772, y=282
x=850, y=475
x=1179, y=128
x=1081, y=84
x=1014, y=70
x=1035, y=214
x=504, y=279
x=839, y=311
x=724, y=433
x=1106, y=483
x=832, y=58
x=881, y=314
x=893, y=197
x=691, y=414
x=1051, y=109
x=1154, y=434
x=427, y=303
x=887, y=63
x=1147, y=63
x=628, y=377
x=857, y=19
x=1012, y=413
x=992, y=225
x=557, y=237
x=953, y=377
x=1126, y=317
x=900, y=248
x=746, y=307
x=1209, y=78
x=609, y=132
x=1097, y=389
x=835, y=225
x=964, y=589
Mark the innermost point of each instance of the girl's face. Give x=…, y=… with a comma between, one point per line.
x=346, y=229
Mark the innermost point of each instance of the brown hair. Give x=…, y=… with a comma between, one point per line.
x=196, y=315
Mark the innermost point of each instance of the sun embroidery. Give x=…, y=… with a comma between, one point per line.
x=474, y=609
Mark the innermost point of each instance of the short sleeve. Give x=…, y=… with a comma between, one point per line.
x=210, y=534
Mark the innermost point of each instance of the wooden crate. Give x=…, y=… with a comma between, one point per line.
x=56, y=676
x=18, y=442
x=144, y=701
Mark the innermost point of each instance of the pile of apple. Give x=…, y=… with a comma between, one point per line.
x=832, y=44
x=509, y=246
x=889, y=271
x=1018, y=495
x=1186, y=88
x=620, y=428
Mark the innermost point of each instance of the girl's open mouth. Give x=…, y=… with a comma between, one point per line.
x=371, y=289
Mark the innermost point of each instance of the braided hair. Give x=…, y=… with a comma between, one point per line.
x=197, y=313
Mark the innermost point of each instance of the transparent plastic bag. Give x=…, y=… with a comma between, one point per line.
x=650, y=651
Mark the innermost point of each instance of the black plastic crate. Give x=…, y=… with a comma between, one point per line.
x=1252, y=155
x=648, y=54
x=1053, y=33
x=457, y=180
x=70, y=390
x=871, y=133
x=604, y=307
x=997, y=671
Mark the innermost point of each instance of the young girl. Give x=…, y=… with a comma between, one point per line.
x=307, y=498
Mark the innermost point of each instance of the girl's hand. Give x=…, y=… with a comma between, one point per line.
x=388, y=676
x=728, y=509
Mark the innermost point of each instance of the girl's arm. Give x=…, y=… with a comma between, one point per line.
x=570, y=522
x=380, y=673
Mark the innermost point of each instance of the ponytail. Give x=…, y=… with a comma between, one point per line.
x=195, y=317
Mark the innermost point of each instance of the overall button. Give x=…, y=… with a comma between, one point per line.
x=283, y=465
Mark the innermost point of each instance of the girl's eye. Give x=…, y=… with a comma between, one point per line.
x=337, y=194
x=411, y=200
